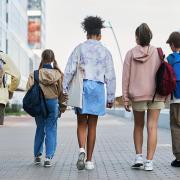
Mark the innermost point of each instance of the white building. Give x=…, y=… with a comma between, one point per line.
x=14, y=35
x=36, y=24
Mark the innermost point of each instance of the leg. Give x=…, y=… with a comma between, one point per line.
x=175, y=129
x=2, y=110
x=39, y=136
x=138, y=130
x=81, y=134
x=82, y=130
x=51, y=128
x=152, y=122
x=92, y=123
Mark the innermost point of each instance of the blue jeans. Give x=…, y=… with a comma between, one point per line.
x=47, y=129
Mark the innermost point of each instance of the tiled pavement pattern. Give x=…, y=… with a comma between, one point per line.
x=114, y=152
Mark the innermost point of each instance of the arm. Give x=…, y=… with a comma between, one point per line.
x=70, y=70
x=11, y=69
x=110, y=78
x=61, y=98
x=126, y=79
x=30, y=81
x=169, y=59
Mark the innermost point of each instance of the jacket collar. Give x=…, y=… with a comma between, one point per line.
x=47, y=66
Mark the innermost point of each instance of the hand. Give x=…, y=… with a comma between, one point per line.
x=10, y=94
x=109, y=105
x=127, y=107
x=63, y=108
x=64, y=98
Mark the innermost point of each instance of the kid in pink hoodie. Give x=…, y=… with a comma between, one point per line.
x=138, y=86
x=139, y=71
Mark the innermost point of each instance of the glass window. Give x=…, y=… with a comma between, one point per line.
x=34, y=4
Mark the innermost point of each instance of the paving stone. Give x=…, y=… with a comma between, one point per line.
x=113, y=156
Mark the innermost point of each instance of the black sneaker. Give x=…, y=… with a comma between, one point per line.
x=175, y=163
x=47, y=162
x=81, y=163
x=138, y=163
x=37, y=160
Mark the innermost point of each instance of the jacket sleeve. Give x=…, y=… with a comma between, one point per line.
x=61, y=96
x=60, y=90
x=169, y=59
x=126, y=77
x=110, y=78
x=30, y=82
x=11, y=69
x=70, y=70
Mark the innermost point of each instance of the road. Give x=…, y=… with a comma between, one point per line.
x=113, y=156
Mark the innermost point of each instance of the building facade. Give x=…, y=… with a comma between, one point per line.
x=14, y=35
x=36, y=24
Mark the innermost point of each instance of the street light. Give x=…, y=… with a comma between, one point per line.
x=119, y=50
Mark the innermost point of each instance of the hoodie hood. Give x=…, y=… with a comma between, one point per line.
x=49, y=76
x=142, y=54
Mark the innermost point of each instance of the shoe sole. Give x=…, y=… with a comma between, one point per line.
x=89, y=169
x=37, y=163
x=137, y=166
x=148, y=169
x=174, y=166
x=80, y=163
x=47, y=166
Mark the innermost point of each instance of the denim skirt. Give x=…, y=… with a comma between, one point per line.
x=93, y=98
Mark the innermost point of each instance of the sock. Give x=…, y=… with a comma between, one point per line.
x=137, y=155
x=81, y=150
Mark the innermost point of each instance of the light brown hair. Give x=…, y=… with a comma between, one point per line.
x=48, y=57
x=144, y=34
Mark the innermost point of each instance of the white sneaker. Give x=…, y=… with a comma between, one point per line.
x=81, y=159
x=138, y=161
x=89, y=165
x=148, y=166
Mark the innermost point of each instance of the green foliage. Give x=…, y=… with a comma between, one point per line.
x=14, y=109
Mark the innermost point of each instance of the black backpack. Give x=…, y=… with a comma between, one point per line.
x=34, y=102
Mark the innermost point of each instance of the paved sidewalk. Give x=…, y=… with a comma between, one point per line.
x=114, y=152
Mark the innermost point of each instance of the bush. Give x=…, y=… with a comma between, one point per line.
x=13, y=108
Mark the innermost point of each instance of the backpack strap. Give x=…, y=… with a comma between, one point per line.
x=36, y=80
x=4, y=81
x=36, y=76
x=161, y=53
x=3, y=78
x=161, y=56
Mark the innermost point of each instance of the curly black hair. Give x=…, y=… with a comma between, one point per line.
x=93, y=25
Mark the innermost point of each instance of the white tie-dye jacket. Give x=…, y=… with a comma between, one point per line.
x=97, y=65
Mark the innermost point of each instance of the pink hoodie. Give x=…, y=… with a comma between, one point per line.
x=139, y=71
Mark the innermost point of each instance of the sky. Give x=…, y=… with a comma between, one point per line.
x=64, y=30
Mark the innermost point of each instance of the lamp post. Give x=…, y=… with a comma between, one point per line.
x=119, y=50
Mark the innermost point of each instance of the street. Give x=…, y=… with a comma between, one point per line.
x=113, y=156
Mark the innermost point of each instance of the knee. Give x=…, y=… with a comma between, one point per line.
x=91, y=128
x=152, y=127
x=139, y=124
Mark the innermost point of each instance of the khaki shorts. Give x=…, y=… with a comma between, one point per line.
x=145, y=105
